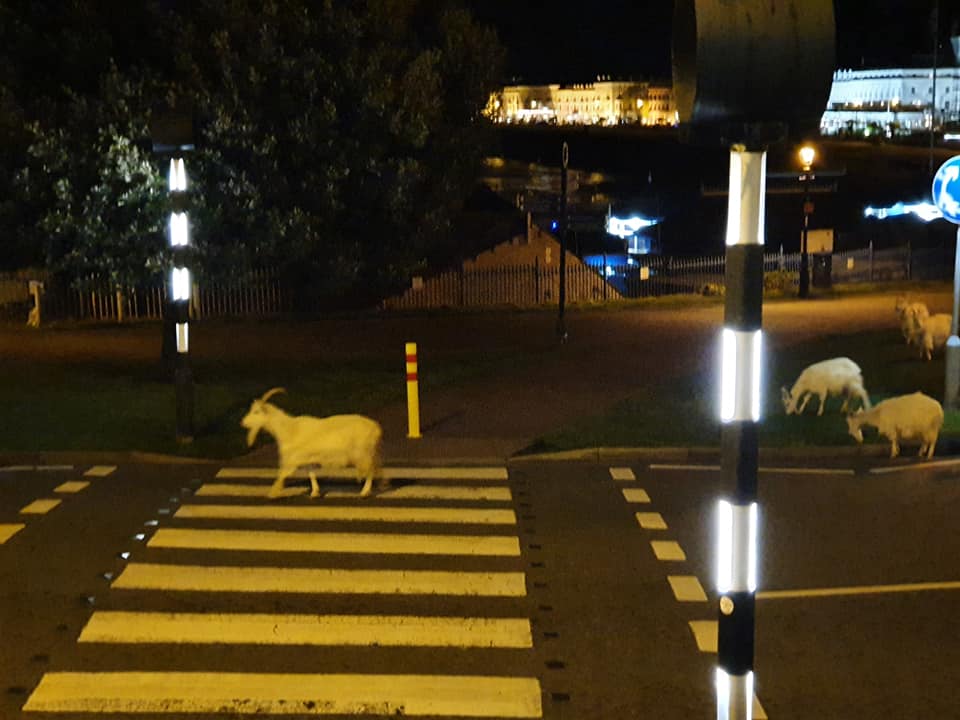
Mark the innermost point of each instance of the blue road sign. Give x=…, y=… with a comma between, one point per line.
x=946, y=189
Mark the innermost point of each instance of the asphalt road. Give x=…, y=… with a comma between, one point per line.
x=575, y=605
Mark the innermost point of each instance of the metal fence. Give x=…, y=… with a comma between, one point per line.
x=262, y=293
x=660, y=275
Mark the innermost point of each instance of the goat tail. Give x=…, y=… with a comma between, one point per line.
x=271, y=392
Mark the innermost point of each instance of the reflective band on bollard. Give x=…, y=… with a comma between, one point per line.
x=413, y=393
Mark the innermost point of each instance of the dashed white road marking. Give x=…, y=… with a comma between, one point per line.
x=651, y=521
x=328, y=630
x=687, y=588
x=369, y=513
x=388, y=473
x=668, y=550
x=8, y=530
x=285, y=694
x=705, y=634
x=39, y=507
x=146, y=576
x=72, y=486
x=100, y=471
x=622, y=474
x=316, y=542
x=635, y=495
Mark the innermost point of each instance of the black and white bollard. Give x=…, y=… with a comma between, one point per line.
x=742, y=358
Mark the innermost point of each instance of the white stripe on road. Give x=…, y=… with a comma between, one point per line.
x=287, y=694
x=668, y=550
x=705, y=633
x=779, y=470
x=406, y=492
x=388, y=473
x=100, y=470
x=858, y=590
x=72, y=486
x=265, y=629
x=194, y=578
x=39, y=507
x=361, y=514
x=808, y=471
x=686, y=588
x=622, y=474
x=8, y=530
x=635, y=495
x=915, y=466
x=373, y=543
x=651, y=521
x=670, y=466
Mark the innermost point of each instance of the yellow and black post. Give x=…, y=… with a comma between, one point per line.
x=413, y=392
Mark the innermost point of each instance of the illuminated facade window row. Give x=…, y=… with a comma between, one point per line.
x=604, y=102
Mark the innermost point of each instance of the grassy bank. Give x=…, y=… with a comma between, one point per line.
x=685, y=414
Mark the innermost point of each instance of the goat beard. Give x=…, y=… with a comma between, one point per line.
x=252, y=435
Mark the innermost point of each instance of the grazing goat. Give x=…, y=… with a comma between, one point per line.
x=906, y=417
x=912, y=315
x=837, y=376
x=304, y=441
x=934, y=331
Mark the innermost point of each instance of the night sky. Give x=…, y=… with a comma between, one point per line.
x=566, y=42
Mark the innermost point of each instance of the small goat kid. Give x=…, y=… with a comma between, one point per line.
x=906, y=417
x=836, y=376
x=305, y=441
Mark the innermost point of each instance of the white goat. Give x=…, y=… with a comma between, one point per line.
x=836, y=376
x=933, y=333
x=912, y=315
x=305, y=441
x=906, y=417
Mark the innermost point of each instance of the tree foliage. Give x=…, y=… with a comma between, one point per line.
x=335, y=140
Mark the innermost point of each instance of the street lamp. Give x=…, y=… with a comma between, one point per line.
x=807, y=156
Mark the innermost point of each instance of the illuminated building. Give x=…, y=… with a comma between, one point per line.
x=604, y=102
x=893, y=100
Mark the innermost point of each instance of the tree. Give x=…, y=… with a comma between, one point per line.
x=335, y=140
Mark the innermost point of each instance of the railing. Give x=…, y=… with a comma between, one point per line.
x=262, y=293
x=258, y=294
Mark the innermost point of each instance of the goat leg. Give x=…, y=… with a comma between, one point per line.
x=314, y=487
x=276, y=490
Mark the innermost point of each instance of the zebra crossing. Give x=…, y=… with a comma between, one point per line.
x=412, y=602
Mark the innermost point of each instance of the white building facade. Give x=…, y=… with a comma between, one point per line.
x=893, y=101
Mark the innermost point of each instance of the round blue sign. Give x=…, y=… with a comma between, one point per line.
x=946, y=189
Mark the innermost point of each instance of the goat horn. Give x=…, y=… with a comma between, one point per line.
x=270, y=393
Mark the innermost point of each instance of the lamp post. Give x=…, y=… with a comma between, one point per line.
x=807, y=156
